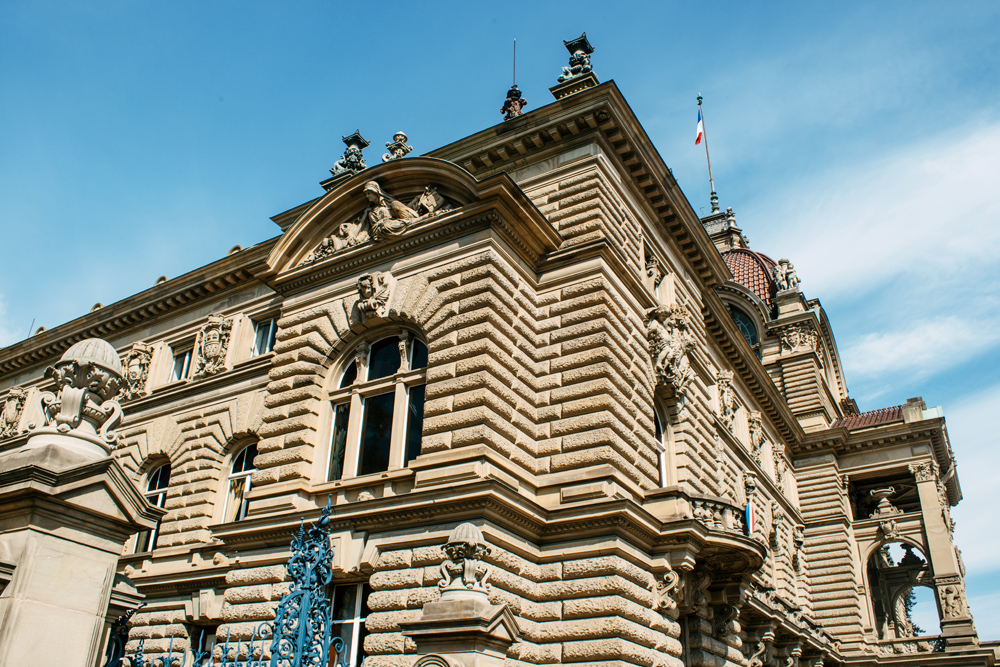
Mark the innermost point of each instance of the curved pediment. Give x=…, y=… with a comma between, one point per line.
x=371, y=207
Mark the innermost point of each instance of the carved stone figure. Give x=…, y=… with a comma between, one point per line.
x=654, y=270
x=749, y=484
x=397, y=147
x=784, y=275
x=796, y=337
x=952, y=601
x=211, y=346
x=10, y=415
x=727, y=398
x=87, y=377
x=780, y=467
x=136, y=364
x=374, y=290
x=757, y=437
x=514, y=105
x=429, y=202
x=353, y=160
x=670, y=340
x=579, y=60
x=385, y=216
x=464, y=568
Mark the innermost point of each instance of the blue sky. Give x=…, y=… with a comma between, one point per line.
x=861, y=140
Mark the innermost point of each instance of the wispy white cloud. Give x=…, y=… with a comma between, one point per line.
x=920, y=349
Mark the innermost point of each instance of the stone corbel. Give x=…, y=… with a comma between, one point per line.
x=666, y=590
x=374, y=291
x=204, y=606
x=759, y=657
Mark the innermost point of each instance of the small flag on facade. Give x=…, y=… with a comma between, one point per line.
x=701, y=129
x=751, y=516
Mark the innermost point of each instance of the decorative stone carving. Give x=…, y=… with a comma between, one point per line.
x=691, y=590
x=757, y=437
x=353, y=160
x=749, y=484
x=953, y=601
x=888, y=529
x=884, y=507
x=580, y=51
x=670, y=339
x=397, y=147
x=666, y=590
x=727, y=398
x=87, y=377
x=375, y=290
x=798, y=541
x=785, y=277
x=654, y=270
x=211, y=346
x=385, y=216
x=10, y=415
x=758, y=657
x=797, y=338
x=136, y=364
x=464, y=568
x=925, y=471
x=514, y=105
x=726, y=620
x=780, y=467
x=429, y=202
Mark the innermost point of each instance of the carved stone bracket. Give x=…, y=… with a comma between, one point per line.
x=759, y=657
x=924, y=471
x=211, y=346
x=666, y=591
x=374, y=292
x=10, y=414
x=798, y=338
x=669, y=333
x=726, y=620
x=136, y=363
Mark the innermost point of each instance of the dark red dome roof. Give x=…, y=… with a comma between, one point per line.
x=753, y=270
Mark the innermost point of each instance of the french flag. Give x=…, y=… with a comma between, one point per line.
x=750, y=513
x=701, y=129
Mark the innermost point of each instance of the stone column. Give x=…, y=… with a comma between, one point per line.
x=463, y=629
x=66, y=510
x=956, y=621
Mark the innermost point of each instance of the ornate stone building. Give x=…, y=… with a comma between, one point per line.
x=529, y=330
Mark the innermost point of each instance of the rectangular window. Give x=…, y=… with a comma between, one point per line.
x=202, y=643
x=182, y=364
x=414, y=422
x=376, y=434
x=264, y=333
x=338, y=441
x=350, y=609
x=146, y=540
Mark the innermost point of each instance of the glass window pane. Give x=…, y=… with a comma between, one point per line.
x=376, y=432
x=345, y=602
x=384, y=358
x=181, y=363
x=338, y=441
x=244, y=460
x=160, y=478
x=414, y=422
x=264, y=337
x=419, y=355
x=344, y=631
x=350, y=375
x=745, y=325
x=657, y=429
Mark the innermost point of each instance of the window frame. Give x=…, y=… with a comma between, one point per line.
x=243, y=475
x=355, y=395
x=158, y=498
x=188, y=356
x=357, y=621
x=664, y=449
x=272, y=324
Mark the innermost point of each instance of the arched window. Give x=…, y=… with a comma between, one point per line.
x=746, y=327
x=239, y=483
x=156, y=494
x=378, y=408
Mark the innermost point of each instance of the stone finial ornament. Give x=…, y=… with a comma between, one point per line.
x=514, y=105
x=883, y=506
x=136, y=364
x=464, y=570
x=10, y=414
x=82, y=413
x=353, y=160
x=374, y=291
x=580, y=51
x=397, y=147
x=669, y=333
x=211, y=346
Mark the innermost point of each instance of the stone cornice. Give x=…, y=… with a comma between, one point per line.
x=224, y=274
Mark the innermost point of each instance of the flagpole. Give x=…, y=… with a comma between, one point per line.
x=704, y=130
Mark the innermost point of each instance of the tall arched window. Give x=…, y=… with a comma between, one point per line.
x=662, y=450
x=378, y=408
x=747, y=327
x=239, y=483
x=156, y=494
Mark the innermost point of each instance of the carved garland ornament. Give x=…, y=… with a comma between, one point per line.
x=669, y=333
x=384, y=218
x=10, y=415
x=211, y=346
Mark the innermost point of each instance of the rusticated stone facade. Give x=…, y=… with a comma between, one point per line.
x=532, y=332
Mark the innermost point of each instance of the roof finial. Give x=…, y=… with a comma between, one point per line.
x=514, y=105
